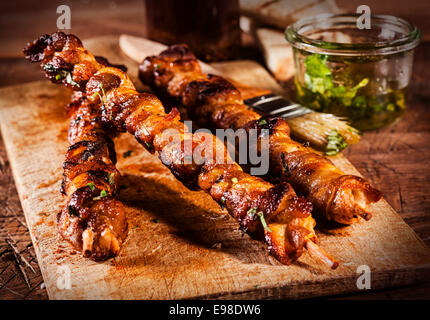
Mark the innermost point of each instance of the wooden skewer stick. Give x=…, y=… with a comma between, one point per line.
x=320, y=254
x=87, y=242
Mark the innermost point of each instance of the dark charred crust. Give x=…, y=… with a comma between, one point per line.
x=155, y=67
x=47, y=44
x=90, y=170
x=111, y=149
x=293, y=161
x=239, y=208
x=63, y=185
x=75, y=168
x=102, y=83
x=34, y=52
x=105, y=62
x=284, y=164
x=60, y=39
x=115, y=113
x=101, y=256
x=57, y=64
x=272, y=198
x=56, y=68
x=199, y=91
x=188, y=175
x=79, y=203
x=93, y=149
x=266, y=123
x=82, y=143
x=178, y=52
x=98, y=174
x=146, y=71
x=70, y=227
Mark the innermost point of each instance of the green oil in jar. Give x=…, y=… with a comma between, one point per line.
x=350, y=88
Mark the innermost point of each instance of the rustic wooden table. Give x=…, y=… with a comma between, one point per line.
x=396, y=159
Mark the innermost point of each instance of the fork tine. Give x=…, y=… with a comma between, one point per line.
x=252, y=101
x=272, y=104
x=296, y=113
x=287, y=109
x=267, y=99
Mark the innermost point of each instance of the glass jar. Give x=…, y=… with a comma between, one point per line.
x=210, y=27
x=361, y=74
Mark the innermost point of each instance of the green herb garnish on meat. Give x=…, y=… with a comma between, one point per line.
x=263, y=221
x=336, y=143
x=94, y=96
x=68, y=76
x=97, y=93
x=251, y=213
x=103, y=194
x=102, y=89
x=262, y=122
x=91, y=186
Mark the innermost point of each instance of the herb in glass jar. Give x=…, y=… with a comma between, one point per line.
x=359, y=74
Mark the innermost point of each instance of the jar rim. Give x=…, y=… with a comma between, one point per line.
x=407, y=41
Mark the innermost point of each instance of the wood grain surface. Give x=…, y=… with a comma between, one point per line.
x=194, y=250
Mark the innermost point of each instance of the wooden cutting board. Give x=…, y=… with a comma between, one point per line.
x=180, y=244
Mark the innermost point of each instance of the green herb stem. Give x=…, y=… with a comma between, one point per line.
x=263, y=221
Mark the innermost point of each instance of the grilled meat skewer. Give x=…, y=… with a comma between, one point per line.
x=216, y=103
x=93, y=221
x=259, y=207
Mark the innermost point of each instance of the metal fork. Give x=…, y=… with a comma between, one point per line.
x=275, y=105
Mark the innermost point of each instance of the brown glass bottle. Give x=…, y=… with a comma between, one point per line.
x=209, y=27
